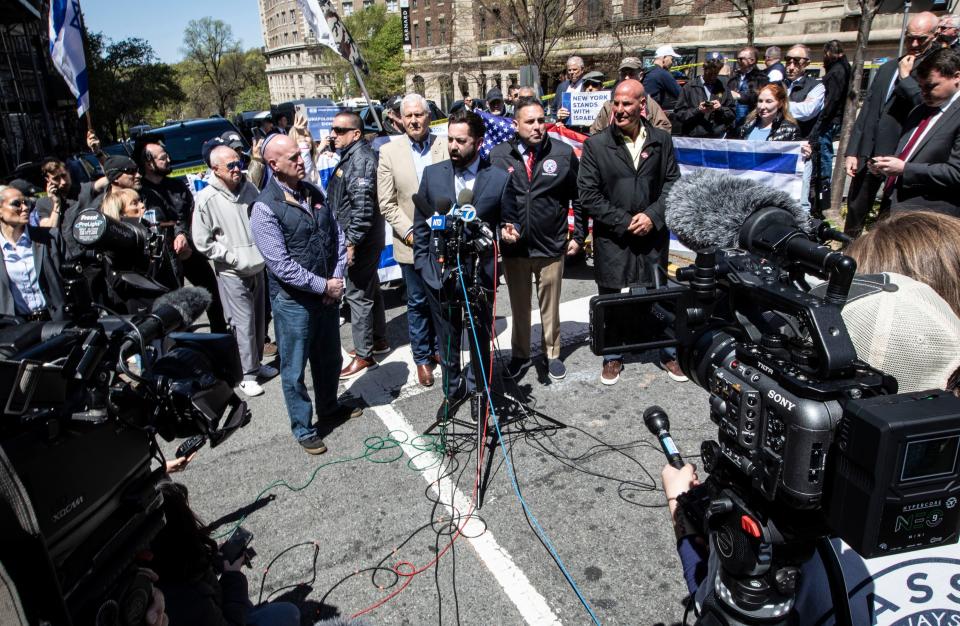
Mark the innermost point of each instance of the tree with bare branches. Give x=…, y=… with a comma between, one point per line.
x=537, y=26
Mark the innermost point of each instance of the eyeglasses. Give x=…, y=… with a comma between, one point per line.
x=745, y=58
x=234, y=165
x=796, y=60
x=16, y=204
x=918, y=37
x=340, y=130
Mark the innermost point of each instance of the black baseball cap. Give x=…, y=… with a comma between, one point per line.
x=117, y=164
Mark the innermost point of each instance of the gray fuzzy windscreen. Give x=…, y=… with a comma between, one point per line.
x=191, y=302
x=708, y=208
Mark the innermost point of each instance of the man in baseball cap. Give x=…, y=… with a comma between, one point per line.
x=659, y=83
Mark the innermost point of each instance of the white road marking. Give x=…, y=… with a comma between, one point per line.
x=376, y=388
x=529, y=602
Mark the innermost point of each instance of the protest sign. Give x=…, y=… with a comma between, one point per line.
x=320, y=121
x=585, y=105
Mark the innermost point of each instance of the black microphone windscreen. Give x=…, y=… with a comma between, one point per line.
x=190, y=302
x=421, y=205
x=707, y=209
x=443, y=205
x=465, y=196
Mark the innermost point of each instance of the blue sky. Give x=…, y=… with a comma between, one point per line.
x=162, y=22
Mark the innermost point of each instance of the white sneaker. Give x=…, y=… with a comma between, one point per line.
x=267, y=372
x=251, y=388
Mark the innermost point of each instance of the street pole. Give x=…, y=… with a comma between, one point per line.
x=363, y=90
x=903, y=30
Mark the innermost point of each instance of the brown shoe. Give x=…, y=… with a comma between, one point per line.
x=425, y=374
x=356, y=367
x=269, y=350
x=674, y=372
x=611, y=372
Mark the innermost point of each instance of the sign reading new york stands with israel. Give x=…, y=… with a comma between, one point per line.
x=584, y=106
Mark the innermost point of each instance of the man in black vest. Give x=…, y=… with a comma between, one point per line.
x=806, y=102
x=305, y=251
x=892, y=95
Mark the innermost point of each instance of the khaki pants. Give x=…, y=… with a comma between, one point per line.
x=548, y=275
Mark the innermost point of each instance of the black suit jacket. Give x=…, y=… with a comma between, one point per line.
x=881, y=121
x=494, y=206
x=46, y=262
x=931, y=177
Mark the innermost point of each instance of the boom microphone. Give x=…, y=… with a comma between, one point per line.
x=707, y=209
x=659, y=424
x=171, y=312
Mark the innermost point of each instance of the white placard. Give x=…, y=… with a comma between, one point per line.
x=585, y=105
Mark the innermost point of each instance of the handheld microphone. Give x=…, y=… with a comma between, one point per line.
x=170, y=312
x=659, y=424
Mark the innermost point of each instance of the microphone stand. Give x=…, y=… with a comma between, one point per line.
x=509, y=411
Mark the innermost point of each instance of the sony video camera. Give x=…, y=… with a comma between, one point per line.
x=811, y=442
x=82, y=405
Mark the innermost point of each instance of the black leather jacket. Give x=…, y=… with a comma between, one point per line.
x=782, y=130
x=352, y=195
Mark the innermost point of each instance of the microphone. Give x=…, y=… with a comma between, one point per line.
x=466, y=212
x=707, y=209
x=438, y=224
x=659, y=424
x=170, y=312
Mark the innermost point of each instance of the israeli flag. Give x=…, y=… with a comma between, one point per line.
x=774, y=163
x=66, y=49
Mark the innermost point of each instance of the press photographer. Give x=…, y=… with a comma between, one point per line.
x=800, y=418
x=451, y=276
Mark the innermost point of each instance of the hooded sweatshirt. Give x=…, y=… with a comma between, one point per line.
x=221, y=228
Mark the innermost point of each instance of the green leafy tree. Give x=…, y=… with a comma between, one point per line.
x=127, y=82
x=379, y=35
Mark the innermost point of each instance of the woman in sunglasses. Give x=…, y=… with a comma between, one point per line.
x=30, y=286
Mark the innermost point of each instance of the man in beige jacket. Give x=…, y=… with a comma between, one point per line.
x=398, y=177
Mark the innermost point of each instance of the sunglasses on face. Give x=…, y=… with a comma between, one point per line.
x=797, y=60
x=234, y=165
x=16, y=204
x=745, y=59
x=340, y=130
x=917, y=37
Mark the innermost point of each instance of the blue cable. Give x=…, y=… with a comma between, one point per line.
x=506, y=457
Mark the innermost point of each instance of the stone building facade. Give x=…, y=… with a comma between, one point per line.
x=459, y=47
x=297, y=68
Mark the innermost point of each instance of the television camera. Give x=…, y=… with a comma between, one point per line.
x=77, y=440
x=812, y=442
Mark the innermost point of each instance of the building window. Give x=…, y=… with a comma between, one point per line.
x=595, y=11
x=429, y=33
x=416, y=35
x=419, y=85
x=441, y=31
x=367, y=4
x=392, y=6
x=413, y=4
x=482, y=34
x=347, y=8
x=648, y=7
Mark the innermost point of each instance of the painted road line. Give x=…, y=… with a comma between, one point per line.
x=533, y=607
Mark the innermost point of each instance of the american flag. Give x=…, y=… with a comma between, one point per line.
x=499, y=129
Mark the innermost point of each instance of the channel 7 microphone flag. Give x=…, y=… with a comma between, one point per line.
x=66, y=49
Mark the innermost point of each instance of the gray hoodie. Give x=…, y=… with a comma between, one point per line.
x=221, y=228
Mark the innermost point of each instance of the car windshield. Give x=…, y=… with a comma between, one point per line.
x=185, y=143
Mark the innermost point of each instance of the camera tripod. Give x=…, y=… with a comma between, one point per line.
x=464, y=306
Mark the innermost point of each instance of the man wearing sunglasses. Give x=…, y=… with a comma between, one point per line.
x=745, y=83
x=892, y=95
x=352, y=196
x=221, y=232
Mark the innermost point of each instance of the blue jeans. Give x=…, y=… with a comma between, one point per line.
x=307, y=332
x=423, y=336
x=826, y=157
x=274, y=614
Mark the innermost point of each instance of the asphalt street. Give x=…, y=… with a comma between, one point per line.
x=384, y=524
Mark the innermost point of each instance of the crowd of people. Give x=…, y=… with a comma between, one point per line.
x=274, y=235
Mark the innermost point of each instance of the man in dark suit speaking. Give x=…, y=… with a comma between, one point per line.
x=925, y=173
x=441, y=185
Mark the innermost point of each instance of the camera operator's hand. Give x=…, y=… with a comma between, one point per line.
x=509, y=233
x=236, y=566
x=179, y=464
x=640, y=225
x=678, y=481
x=334, y=288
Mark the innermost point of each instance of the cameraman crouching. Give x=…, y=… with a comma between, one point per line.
x=904, y=328
x=30, y=287
x=186, y=561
